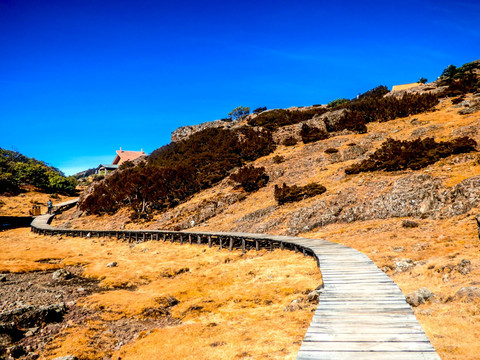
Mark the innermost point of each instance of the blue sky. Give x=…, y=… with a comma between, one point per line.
x=80, y=79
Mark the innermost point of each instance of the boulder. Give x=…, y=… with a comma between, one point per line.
x=469, y=293
x=61, y=274
x=419, y=297
x=404, y=265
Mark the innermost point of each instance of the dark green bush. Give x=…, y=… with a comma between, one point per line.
x=462, y=80
x=250, y=178
x=178, y=170
x=259, y=110
x=287, y=194
x=310, y=134
x=350, y=120
x=337, y=103
x=274, y=119
x=396, y=155
x=376, y=92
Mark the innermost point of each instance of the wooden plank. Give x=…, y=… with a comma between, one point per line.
x=378, y=336
x=355, y=355
x=406, y=346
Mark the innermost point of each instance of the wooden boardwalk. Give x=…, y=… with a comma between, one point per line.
x=361, y=314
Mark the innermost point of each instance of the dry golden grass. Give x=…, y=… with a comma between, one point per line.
x=231, y=304
x=20, y=205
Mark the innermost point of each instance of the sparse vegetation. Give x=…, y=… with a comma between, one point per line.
x=250, y=178
x=288, y=194
x=331, y=151
x=422, y=80
x=396, y=155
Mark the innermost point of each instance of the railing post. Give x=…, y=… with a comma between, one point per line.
x=230, y=247
x=221, y=242
x=209, y=241
x=243, y=245
x=257, y=245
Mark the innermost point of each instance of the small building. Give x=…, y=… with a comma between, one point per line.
x=104, y=169
x=124, y=155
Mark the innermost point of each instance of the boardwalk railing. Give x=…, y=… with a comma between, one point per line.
x=361, y=314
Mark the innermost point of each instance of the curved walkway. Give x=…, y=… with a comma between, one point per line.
x=361, y=314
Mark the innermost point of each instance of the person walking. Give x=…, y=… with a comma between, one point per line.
x=49, y=206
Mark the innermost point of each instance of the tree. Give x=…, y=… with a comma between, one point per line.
x=449, y=72
x=239, y=112
x=422, y=80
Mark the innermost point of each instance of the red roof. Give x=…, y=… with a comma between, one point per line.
x=125, y=155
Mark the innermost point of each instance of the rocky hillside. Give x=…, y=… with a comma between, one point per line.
x=411, y=207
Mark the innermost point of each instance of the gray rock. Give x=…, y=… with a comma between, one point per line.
x=464, y=267
x=404, y=265
x=313, y=296
x=415, y=299
x=295, y=305
x=469, y=293
x=67, y=357
x=61, y=274
x=419, y=297
x=112, y=264
x=3, y=278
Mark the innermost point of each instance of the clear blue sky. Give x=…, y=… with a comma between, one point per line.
x=81, y=78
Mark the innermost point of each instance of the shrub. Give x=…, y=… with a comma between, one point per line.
x=278, y=159
x=449, y=72
x=396, y=155
x=274, y=119
x=239, y=112
x=331, y=151
x=178, y=170
x=125, y=165
x=422, y=80
x=287, y=194
x=311, y=134
x=337, y=103
x=389, y=108
x=352, y=120
x=259, y=110
x=250, y=178
x=462, y=80
x=376, y=92
x=289, y=141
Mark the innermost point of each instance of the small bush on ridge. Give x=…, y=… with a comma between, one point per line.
x=310, y=134
x=250, y=178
